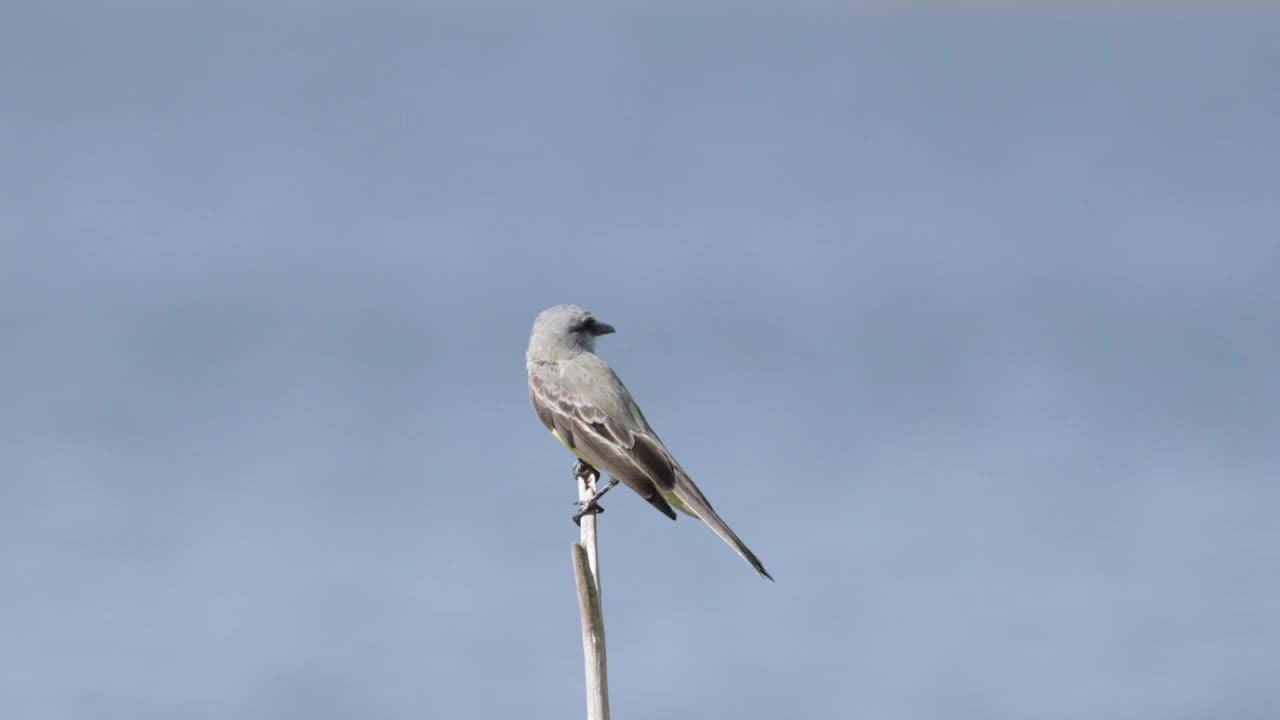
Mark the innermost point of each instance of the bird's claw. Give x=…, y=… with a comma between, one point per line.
x=588, y=507
x=583, y=469
x=592, y=507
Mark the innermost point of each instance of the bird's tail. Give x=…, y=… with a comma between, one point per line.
x=689, y=499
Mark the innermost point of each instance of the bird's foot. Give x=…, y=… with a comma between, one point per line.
x=592, y=507
x=584, y=469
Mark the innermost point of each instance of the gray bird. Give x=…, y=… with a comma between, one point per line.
x=588, y=409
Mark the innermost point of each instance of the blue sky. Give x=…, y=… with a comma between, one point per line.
x=966, y=323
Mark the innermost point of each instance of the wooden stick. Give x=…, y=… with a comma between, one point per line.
x=586, y=571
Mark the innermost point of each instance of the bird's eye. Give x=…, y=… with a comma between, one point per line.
x=585, y=324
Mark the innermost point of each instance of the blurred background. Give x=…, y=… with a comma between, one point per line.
x=967, y=322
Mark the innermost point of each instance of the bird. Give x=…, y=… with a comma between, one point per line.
x=580, y=399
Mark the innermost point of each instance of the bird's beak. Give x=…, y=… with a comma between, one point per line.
x=600, y=328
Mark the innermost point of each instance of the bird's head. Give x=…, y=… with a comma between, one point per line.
x=565, y=330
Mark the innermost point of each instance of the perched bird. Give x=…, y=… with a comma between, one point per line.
x=586, y=407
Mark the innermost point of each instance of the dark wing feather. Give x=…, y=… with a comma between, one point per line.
x=627, y=455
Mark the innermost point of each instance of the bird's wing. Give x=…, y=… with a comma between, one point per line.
x=613, y=444
x=597, y=418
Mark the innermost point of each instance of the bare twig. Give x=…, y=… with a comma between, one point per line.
x=586, y=571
